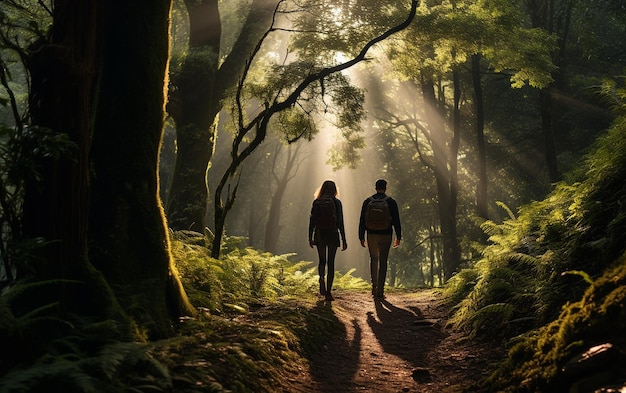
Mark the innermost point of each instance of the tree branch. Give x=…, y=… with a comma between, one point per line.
x=261, y=121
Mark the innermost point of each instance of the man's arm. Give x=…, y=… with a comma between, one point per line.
x=395, y=223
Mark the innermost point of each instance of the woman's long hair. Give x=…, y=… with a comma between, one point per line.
x=328, y=188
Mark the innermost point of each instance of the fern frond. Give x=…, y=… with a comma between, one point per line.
x=508, y=211
x=580, y=273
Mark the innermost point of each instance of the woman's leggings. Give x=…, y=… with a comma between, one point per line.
x=326, y=255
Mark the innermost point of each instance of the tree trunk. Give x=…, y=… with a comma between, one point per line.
x=547, y=129
x=220, y=224
x=393, y=273
x=197, y=99
x=63, y=74
x=272, y=227
x=129, y=237
x=554, y=18
x=431, y=254
x=482, y=209
x=194, y=110
x=455, y=251
x=446, y=192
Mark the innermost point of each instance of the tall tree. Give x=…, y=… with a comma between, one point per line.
x=554, y=16
x=63, y=69
x=129, y=236
x=482, y=199
x=99, y=83
x=199, y=85
x=281, y=180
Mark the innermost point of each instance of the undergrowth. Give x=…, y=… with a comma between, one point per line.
x=258, y=317
x=526, y=289
x=256, y=320
x=45, y=350
x=536, y=359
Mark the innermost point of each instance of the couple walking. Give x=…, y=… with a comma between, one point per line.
x=379, y=218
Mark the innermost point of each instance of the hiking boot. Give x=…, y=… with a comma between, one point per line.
x=322, y=287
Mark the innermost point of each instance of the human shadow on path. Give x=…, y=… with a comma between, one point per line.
x=337, y=351
x=404, y=332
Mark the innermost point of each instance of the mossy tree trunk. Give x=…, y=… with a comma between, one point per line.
x=197, y=97
x=129, y=241
x=194, y=110
x=63, y=75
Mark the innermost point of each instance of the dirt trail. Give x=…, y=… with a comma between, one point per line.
x=399, y=344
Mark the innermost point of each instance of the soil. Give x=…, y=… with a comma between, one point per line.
x=398, y=344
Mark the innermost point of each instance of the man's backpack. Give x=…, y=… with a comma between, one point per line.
x=377, y=215
x=324, y=213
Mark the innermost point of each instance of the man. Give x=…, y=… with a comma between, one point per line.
x=379, y=218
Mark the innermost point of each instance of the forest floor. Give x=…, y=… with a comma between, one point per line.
x=398, y=344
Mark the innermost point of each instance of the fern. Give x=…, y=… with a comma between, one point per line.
x=580, y=273
x=117, y=367
x=56, y=352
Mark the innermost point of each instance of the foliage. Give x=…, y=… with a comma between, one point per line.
x=256, y=320
x=578, y=227
x=117, y=366
x=249, y=275
x=257, y=317
x=348, y=281
x=446, y=35
x=540, y=263
x=536, y=360
x=20, y=149
x=238, y=352
x=244, y=276
x=198, y=271
x=50, y=350
x=20, y=146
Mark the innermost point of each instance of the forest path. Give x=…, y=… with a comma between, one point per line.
x=399, y=344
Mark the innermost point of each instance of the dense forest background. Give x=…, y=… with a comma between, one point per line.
x=159, y=159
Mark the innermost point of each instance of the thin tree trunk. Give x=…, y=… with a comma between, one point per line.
x=454, y=177
x=547, y=129
x=290, y=169
x=446, y=194
x=431, y=235
x=393, y=273
x=556, y=19
x=482, y=209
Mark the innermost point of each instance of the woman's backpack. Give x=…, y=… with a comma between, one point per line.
x=324, y=213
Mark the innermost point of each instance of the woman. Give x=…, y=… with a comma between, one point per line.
x=325, y=227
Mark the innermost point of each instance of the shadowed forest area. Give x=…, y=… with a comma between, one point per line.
x=159, y=159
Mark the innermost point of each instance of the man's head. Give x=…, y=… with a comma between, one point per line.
x=381, y=185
